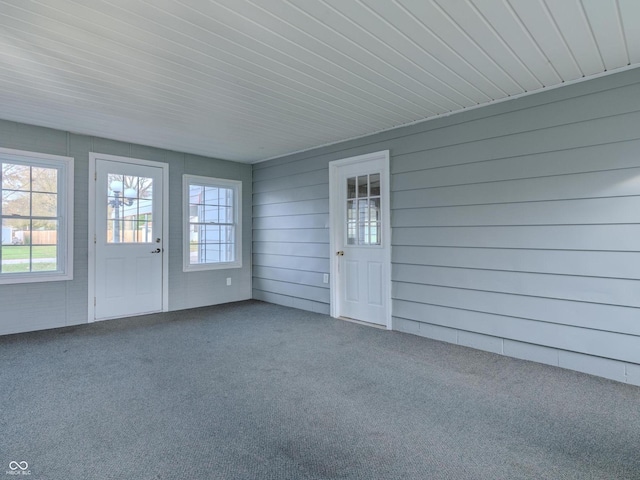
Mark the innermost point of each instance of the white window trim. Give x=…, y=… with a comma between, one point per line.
x=66, y=197
x=236, y=185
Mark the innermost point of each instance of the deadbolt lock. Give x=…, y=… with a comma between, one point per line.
x=340, y=253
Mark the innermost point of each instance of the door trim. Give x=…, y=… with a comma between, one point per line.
x=92, y=225
x=334, y=231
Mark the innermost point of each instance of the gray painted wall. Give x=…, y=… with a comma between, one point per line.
x=515, y=227
x=34, y=306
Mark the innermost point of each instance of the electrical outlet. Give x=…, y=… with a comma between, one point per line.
x=228, y=281
x=325, y=278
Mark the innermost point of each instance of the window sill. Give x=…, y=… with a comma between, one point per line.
x=211, y=266
x=17, y=278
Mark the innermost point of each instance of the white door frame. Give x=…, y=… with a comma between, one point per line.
x=92, y=224
x=335, y=227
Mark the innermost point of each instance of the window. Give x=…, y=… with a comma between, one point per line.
x=212, y=216
x=363, y=210
x=37, y=217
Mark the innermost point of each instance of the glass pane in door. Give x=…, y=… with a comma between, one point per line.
x=363, y=210
x=129, y=209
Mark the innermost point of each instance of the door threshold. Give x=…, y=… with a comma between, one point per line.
x=362, y=322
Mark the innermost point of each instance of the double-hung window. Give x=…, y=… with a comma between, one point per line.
x=37, y=217
x=212, y=217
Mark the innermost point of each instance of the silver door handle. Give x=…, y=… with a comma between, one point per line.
x=157, y=250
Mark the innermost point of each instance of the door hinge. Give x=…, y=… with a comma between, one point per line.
x=94, y=238
x=95, y=176
x=94, y=301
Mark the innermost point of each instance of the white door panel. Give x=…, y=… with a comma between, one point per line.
x=128, y=239
x=374, y=283
x=360, y=234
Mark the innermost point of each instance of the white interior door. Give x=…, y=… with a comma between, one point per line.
x=361, y=240
x=128, y=239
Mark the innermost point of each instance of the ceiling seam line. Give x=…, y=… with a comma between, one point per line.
x=481, y=49
x=561, y=35
x=506, y=44
x=533, y=40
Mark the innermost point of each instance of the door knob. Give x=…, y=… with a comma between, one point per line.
x=340, y=253
x=157, y=250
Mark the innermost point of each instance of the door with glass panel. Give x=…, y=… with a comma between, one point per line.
x=362, y=273
x=128, y=243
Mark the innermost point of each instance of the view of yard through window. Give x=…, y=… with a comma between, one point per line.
x=212, y=221
x=29, y=218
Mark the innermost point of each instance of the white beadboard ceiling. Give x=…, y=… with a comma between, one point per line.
x=250, y=80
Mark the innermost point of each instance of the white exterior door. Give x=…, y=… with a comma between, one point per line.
x=360, y=224
x=128, y=239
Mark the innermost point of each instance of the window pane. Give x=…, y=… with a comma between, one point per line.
x=351, y=187
x=194, y=248
x=145, y=188
x=44, y=180
x=362, y=210
x=194, y=231
x=226, y=197
x=16, y=177
x=16, y=202
x=351, y=233
x=130, y=231
x=115, y=231
x=374, y=185
x=193, y=213
x=212, y=223
x=211, y=233
x=211, y=196
x=212, y=253
x=16, y=231
x=209, y=214
x=15, y=259
x=115, y=184
x=115, y=217
x=227, y=252
x=364, y=214
x=351, y=211
x=362, y=233
x=374, y=234
x=32, y=216
x=374, y=210
x=227, y=234
x=130, y=187
x=363, y=186
x=44, y=232
x=145, y=231
x=196, y=194
x=44, y=258
x=44, y=205
x=226, y=215
x=129, y=209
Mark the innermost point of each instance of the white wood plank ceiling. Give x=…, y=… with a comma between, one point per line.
x=249, y=80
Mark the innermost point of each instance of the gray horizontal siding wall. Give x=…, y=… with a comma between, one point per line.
x=515, y=227
x=35, y=306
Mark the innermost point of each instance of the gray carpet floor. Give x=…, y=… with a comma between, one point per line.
x=258, y=391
